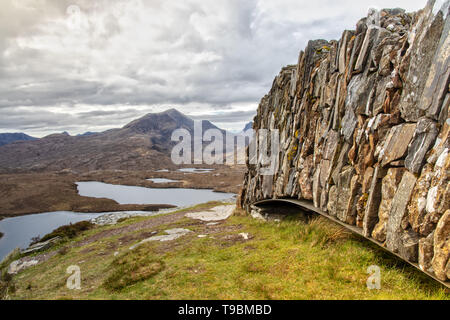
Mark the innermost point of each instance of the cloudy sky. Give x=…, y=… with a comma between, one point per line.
x=92, y=65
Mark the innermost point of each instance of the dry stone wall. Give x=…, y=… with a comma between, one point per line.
x=364, y=132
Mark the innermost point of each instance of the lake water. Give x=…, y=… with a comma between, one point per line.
x=139, y=195
x=161, y=180
x=19, y=231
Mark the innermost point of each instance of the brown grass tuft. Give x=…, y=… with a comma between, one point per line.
x=322, y=232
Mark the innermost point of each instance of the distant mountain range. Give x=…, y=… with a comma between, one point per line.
x=86, y=134
x=7, y=138
x=142, y=144
x=248, y=126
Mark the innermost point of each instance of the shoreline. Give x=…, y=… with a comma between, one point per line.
x=36, y=193
x=142, y=208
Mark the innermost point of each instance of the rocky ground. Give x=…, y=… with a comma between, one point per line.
x=46, y=192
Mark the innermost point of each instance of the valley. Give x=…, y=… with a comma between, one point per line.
x=29, y=193
x=61, y=179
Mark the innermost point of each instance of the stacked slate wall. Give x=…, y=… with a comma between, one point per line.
x=364, y=132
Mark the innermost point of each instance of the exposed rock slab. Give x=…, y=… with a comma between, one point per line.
x=171, y=235
x=41, y=246
x=215, y=214
x=18, y=265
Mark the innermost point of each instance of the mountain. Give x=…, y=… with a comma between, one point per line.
x=248, y=126
x=89, y=133
x=7, y=138
x=143, y=144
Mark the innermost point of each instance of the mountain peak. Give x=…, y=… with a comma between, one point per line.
x=7, y=138
x=156, y=121
x=248, y=126
x=170, y=119
x=173, y=111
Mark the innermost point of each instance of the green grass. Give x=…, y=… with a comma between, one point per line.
x=69, y=231
x=130, y=268
x=293, y=259
x=7, y=284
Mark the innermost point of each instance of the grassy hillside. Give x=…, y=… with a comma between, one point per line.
x=297, y=258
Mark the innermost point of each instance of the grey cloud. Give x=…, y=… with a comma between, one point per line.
x=40, y=122
x=122, y=114
x=236, y=116
x=216, y=54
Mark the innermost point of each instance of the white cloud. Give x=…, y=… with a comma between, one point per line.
x=203, y=57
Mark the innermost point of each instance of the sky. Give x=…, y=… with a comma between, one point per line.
x=93, y=65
